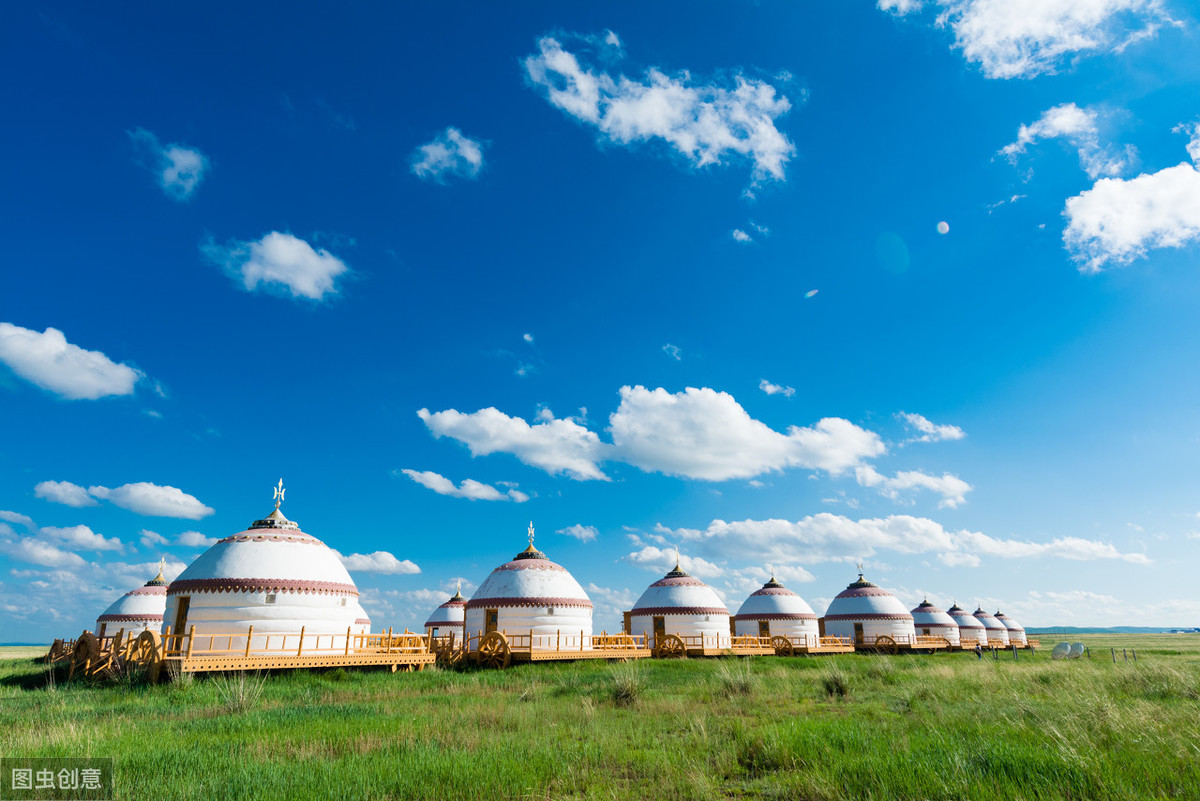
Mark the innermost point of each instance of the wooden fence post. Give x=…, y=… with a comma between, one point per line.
x=249, y=636
x=348, y=628
x=300, y=649
x=191, y=639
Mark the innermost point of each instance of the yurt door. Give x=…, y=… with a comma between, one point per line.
x=858, y=633
x=764, y=628
x=660, y=629
x=491, y=617
x=181, y=609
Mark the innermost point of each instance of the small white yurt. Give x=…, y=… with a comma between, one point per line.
x=929, y=621
x=685, y=606
x=970, y=631
x=531, y=596
x=996, y=632
x=776, y=611
x=274, y=577
x=863, y=612
x=1016, y=632
x=448, y=618
x=362, y=621
x=137, y=610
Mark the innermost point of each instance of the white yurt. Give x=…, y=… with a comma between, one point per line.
x=930, y=621
x=862, y=612
x=362, y=621
x=685, y=606
x=137, y=610
x=995, y=629
x=531, y=595
x=1016, y=632
x=970, y=630
x=776, y=611
x=447, y=619
x=273, y=577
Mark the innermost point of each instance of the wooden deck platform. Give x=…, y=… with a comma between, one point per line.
x=192, y=653
x=502, y=648
x=811, y=646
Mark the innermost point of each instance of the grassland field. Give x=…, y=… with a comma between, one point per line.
x=947, y=726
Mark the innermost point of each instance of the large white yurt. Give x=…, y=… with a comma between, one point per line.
x=970, y=631
x=776, y=611
x=685, y=606
x=864, y=612
x=137, y=610
x=274, y=577
x=1016, y=632
x=996, y=632
x=531, y=595
x=930, y=621
x=448, y=618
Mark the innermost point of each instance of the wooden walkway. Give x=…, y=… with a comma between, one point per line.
x=502, y=648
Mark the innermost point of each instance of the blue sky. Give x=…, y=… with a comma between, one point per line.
x=780, y=285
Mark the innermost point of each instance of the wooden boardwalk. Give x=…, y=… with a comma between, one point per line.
x=502, y=648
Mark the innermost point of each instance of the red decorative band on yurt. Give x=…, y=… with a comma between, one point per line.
x=862, y=592
x=678, y=581
x=128, y=618
x=154, y=590
x=680, y=610
x=772, y=591
x=777, y=616
x=476, y=603
x=261, y=585
x=291, y=536
x=362, y=621
x=871, y=616
x=532, y=564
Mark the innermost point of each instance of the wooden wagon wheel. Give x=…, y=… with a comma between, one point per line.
x=783, y=646
x=670, y=646
x=55, y=653
x=948, y=644
x=146, y=652
x=886, y=645
x=494, y=651
x=86, y=655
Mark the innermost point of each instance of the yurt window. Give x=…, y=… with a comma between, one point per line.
x=270, y=598
x=434, y=631
x=925, y=632
x=343, y=602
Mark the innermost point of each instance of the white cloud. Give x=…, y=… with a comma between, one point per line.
x=740, y=236
x=194, y=539
x=1080, y=128
x=379, y=562
x=703, y=122
x=18, y=518
x=1118, y=220
x=660, y=560
x=145, y=498
x=470, y=489
x=81, y=537
x=952, y=488
x=827, y=537
x=775, y=389
x=36, y=552
x=528, y=338
x=672, y=351
x=450, y=153
x=277, y=261
x=1193, y=145
x=1024, y=38
x=556, y=446
x=179, y=168
x=64, y=492
x=928, y=431
x=151, y=539
x=707, y=435
x=580, y=532
x=49, y=361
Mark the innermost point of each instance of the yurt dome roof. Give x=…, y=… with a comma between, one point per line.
x=141, y=605
x=451, y=612
x=862, y=600
x=963, y=618
x=679, y=593
x=529, y=579
x=272, y=555
x=1008, y=622
x=775, y=602
x=930, y=615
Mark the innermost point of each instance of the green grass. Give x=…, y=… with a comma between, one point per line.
x=941, y=727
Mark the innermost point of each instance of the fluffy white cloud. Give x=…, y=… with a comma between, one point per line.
x=556, y=446
x=450, y=153
x=660, y=560
x=580, y=532
x=740, y=236
x=279, y=261
x=81, y=537
x=1118, y=220
x=673, y=351
x=775, y=389
x=1081, y=129
x=194, y=539
x=705, y=434
x=703, y=122
x=379, y=562
x=151, y=539
x=16, y=517
x=49, y=361
x=952, y=488
x=928, y=431
x=178, y=168
x=64, y=492
x=1024, y=38
x=827, y=537
x=37, y=552
x=145, y=498
x=470, y=489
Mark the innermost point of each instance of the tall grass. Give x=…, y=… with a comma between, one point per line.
x=240, y=691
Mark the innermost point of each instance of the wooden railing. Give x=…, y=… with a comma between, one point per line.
x=247, y=643
x=558, y=642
